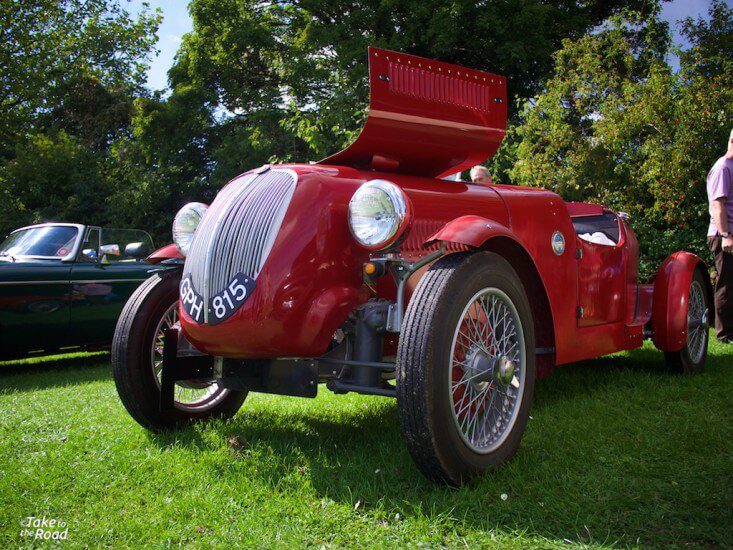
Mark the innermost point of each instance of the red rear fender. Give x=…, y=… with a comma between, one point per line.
x=671, y=297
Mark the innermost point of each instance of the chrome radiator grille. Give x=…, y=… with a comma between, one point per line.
x=238, y=230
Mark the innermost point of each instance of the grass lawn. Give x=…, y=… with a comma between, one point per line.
x=617, y=453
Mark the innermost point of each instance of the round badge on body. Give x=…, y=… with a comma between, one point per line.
x=558, y=243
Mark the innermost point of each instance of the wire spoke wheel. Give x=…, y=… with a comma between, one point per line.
x=137, y=362
x=188, y=394
x=697, y=322
x=487, y=370
x=691, y=358
x=465, y=367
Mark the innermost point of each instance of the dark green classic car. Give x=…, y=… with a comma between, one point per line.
x=63, y=285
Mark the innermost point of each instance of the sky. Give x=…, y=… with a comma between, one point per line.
x=177, y=22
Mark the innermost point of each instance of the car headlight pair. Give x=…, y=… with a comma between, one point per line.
x=379, y=214
x=185, y=223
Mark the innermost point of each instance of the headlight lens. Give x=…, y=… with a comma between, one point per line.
x=185, y=224
x=379, y=213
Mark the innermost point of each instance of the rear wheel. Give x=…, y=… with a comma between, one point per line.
x=137, y=360
x=691, y=358
x=465, y=367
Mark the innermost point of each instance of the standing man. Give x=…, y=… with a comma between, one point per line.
x=481, y=175
x=720, y=240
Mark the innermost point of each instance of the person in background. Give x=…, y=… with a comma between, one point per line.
x=480, y=174
x=720, y=240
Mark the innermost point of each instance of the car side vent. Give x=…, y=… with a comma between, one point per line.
x=444, y=88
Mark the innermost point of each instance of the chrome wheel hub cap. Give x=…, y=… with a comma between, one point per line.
x=479, y=368
x=505, y=372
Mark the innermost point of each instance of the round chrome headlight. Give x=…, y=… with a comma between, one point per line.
x=185, y=224
x=379, y=214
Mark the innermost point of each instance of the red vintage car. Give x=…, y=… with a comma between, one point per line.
x=369, y=272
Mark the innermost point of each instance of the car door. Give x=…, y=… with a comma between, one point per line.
x=601, y=272
x=34, y=306
x=101, y=283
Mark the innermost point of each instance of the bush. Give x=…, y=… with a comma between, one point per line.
x=617, y=125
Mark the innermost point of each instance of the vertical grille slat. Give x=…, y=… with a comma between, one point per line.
x=238, y=230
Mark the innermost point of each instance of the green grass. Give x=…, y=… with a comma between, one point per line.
x=617, y=453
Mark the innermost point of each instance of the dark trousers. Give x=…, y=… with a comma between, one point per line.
x=723, y=290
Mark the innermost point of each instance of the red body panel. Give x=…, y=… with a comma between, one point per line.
x=671, y=297
x=312, y=278
x=167, y=252
x=584, y=209
x=471, y=231
x=427, y=118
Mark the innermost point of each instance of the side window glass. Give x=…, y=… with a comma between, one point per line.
x=90, y=246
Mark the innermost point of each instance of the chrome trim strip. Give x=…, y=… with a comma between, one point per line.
x=95, y=281
x=66, y=282
x=239, y=229
x=21, y=283
x=278, y=219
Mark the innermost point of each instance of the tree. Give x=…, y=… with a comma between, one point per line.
x=48, y=47
x=304, y=62
x=54, y=178
x=615, y=125
x=69, y=72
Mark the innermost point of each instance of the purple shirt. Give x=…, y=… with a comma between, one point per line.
x=720, y=185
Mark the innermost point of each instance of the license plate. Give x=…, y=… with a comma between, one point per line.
x=222, y=305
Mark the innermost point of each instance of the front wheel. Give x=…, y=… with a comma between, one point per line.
x=465, y=367
x=137, y=360
x=691, y=358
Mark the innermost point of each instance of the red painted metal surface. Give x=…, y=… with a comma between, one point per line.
x=534, y=215
x=167, y=252
x=471, y=231
x=427, y=118
x=601, y=280
x=312, y=278
x=423, y=124
x=601, y=284
x=579, y=209
x=671, y=297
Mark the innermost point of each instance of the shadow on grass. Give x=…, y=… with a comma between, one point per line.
x=54, y=371
x=342, y=452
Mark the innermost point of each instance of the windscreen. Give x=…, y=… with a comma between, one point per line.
x=48, y=241
x=125, y=244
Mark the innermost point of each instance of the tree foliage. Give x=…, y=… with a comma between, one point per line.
x=260, y=82
x=602, y=115
x=304, y=62
x=55, y=52
x=69, y=73
x=615, y=125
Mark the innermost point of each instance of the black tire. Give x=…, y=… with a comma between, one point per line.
x=424, y=396
x=691, y=358
x=132, y=365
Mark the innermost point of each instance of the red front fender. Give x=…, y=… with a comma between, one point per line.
x=671, y=297
x=168, y=252
x=471, y=231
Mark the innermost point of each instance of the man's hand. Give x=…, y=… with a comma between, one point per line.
x=728, y=245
